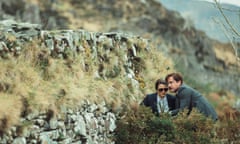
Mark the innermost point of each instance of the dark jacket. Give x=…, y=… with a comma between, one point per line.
x=151, y=101
x=187, y=97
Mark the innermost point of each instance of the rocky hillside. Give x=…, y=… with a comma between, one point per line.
x=68, y=85
x=202, y=60
x=206, y=16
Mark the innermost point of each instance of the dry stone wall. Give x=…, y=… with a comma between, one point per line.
x=90, y=123
x=62, y=42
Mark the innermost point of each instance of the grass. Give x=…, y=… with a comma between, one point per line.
x=10, y=111
x=34, y=80
x=38, y=80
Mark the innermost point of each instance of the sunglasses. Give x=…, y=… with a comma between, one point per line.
x=163, y=89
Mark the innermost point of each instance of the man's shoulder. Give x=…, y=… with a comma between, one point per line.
x=150, y=98
x=184, y=88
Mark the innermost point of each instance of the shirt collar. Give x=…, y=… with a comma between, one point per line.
x=161, y=99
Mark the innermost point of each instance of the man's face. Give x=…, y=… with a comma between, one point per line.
x=162, y=90
x=173, y=85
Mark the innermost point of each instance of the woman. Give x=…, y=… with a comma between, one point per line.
x=160, y=101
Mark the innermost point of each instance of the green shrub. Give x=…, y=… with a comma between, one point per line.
x=130, y=129
x=141, y=126
x=193, y=128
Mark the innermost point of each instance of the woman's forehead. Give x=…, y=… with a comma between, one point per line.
x=162, y=85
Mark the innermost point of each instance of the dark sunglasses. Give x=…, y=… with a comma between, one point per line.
x=161, y=89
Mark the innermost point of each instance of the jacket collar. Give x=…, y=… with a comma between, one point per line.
x=182, y=87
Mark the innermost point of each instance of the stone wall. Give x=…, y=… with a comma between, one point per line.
x=62, y=42
x=89, y=123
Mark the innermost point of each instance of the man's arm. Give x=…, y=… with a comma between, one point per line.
x=183, y=100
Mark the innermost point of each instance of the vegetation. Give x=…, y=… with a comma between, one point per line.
x=140, y=126
x=38, y=80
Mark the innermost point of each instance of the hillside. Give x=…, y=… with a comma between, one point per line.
x=66, y=86
x=79, y=66
x=71, y=86
x=199, y=58
x=206, y=16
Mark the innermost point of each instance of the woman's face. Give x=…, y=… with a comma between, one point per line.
x=162, y=90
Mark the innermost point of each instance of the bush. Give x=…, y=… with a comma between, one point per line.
x=142, y=127
x=229, y=131
x=193, y=128
x=133, y=127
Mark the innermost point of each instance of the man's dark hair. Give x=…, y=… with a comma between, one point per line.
x=158, y=82
x=176, y=76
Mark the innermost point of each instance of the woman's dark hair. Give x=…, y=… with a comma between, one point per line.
x=176, y=76
x=160, y=81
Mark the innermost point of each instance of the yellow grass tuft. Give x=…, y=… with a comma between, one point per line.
x=10, y=111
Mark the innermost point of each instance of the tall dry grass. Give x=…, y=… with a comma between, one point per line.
x=36, y=81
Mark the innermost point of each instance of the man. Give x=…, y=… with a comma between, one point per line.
x=160, y=101
x=187, y=97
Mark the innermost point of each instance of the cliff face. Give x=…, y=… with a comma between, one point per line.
x=199, y=58
x=206, y=16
